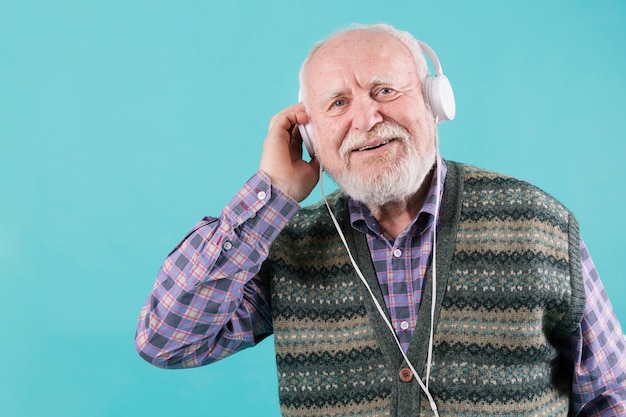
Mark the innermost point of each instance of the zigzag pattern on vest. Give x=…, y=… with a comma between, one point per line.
x=322, y=320
x=508, y=290
x=508, y=282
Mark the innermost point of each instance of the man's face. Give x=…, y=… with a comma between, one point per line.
x=368, y=114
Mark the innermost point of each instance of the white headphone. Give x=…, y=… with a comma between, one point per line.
x=438, y=95
x=438, y=89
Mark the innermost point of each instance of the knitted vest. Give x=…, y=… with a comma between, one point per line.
x=509, y=284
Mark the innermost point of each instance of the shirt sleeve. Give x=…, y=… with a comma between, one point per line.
x=207, y=301
x=597, y=352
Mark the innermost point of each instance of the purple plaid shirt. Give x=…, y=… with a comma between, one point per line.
x=401, y=265
x=208, y=303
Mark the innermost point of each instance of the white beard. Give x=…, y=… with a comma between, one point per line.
x=397, y=180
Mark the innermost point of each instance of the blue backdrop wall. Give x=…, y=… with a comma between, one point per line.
x=122, y=123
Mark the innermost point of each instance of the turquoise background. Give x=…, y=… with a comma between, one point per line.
x=122, y=123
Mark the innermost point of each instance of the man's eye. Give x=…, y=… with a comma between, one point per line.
x=385, y=93
x=338, y=103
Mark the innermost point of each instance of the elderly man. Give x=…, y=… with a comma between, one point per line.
x=441, y=289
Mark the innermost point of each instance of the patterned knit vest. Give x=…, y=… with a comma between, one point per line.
x=509, y=284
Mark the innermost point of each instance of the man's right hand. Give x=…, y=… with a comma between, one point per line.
x=282, y=154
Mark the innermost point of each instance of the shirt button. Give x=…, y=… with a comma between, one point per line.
x=404, y=325
x=406, y=375
x=397, y=253
x=261, y=195
x=227, y=245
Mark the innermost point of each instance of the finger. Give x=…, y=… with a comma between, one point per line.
x=296, y=140
x=288, y=117
x=315, y=164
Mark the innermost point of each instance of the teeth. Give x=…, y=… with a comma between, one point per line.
x=373, y=146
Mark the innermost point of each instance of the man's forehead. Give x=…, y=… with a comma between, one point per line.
x=356, y=41
x=333, y=87
x=371, y=57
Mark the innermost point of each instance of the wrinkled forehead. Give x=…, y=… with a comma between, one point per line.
x=366, y=56
x=359, y=44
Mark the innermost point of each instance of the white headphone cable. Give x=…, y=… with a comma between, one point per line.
x=424, y=388
x=434, y=259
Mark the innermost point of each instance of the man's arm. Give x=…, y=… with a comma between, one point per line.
x=597, y=352
x=207, y=301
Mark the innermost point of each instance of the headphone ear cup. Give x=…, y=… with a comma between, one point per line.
x=307, y=137
x=440, y=97
x=306, y=131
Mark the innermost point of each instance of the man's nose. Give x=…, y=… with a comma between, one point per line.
x=366, y=114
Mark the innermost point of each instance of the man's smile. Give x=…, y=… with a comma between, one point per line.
x=373, y=145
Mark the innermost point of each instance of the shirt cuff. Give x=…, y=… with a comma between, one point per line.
x=260, y=208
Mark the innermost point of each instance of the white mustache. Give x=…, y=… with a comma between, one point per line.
x=385, y=131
